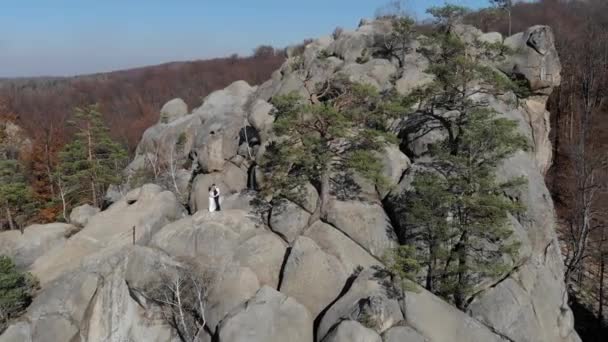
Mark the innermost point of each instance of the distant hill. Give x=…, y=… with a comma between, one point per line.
x=130, y=99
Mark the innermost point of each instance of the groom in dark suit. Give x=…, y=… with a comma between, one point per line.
x=216, y=197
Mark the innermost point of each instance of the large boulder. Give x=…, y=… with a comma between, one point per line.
x=268, y=316
x=352, y=331
x=336, y=243
x=232, y=286
x=403, y=334
x=376, y=73
x=261, y=118
x=216, y=239
x=371, y=300
x=288, y=220
x=173, y=110
x=535, y=59
x=311, y=276
x=223, y=116
x=36, y=241
x=80, y=215
x=264, y=254
x=365, y=223
x=414, y=75
x=425, y=312
x=144, y=210
x=394, y=165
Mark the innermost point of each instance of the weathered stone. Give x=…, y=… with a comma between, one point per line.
x=424, y=311
x=144, y=210
x=414, y=75
x=36, y=241
x=80, y=215
x=365, y=223
x=352, y=331
x=173, y=110
x=394, y=164
x=288, y=220
x=491, y=38
x=371, y=300
x=264, y=254
x=261, y=117
x=18, y=332
x=336, y=243
x=233, y=286
x=284, y=319
x=402, y=334
x=536, y=59
x=376, y=73
x=311, y=276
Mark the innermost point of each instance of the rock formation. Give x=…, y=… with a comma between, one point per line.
x=290, y=275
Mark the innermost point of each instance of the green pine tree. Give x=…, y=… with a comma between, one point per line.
x=456, y=215
x=91, y=161
x=16, y=290
x=15, y=193
x=315, y=141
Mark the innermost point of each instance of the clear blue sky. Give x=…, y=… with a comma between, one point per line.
x=67, y=37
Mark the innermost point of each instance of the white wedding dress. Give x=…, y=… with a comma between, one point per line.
x=212, y=206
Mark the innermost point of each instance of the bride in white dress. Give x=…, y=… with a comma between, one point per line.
x=212, y=205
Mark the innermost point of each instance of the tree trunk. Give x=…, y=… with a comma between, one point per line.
x=600, y=315
x=510, y=22
x=460, y=292
x=325, y=193
x=91, y=161
x=430, y=274
x=9, y=218
x=48, y=168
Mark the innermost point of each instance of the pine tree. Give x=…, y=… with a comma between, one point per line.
x=15, y=193
x=90, y=162
x=16, y=289
x=456, y=216
x=337, y=135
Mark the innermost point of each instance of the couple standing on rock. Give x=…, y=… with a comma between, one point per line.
x=214, y=198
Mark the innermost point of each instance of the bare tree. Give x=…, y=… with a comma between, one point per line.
x=507, y=6
x=589, y=165
x=182, y=295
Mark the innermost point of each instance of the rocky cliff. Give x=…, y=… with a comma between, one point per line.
x=288, y=274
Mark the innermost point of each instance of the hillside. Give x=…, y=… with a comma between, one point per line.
x=130, y=99
x=366, y=154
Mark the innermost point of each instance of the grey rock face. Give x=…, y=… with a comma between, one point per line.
x=352, y=331
x=536, y=59
x=284, y=319
x=288, y=220
x=173, y=110
x=376, y=72
x=312, y=277
x=80, y=215
x=439, y=321
x=365, y=223
x=369, y=301
x=147, y=209
x=401, y=334
x=35, y=241
x=336, y=243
